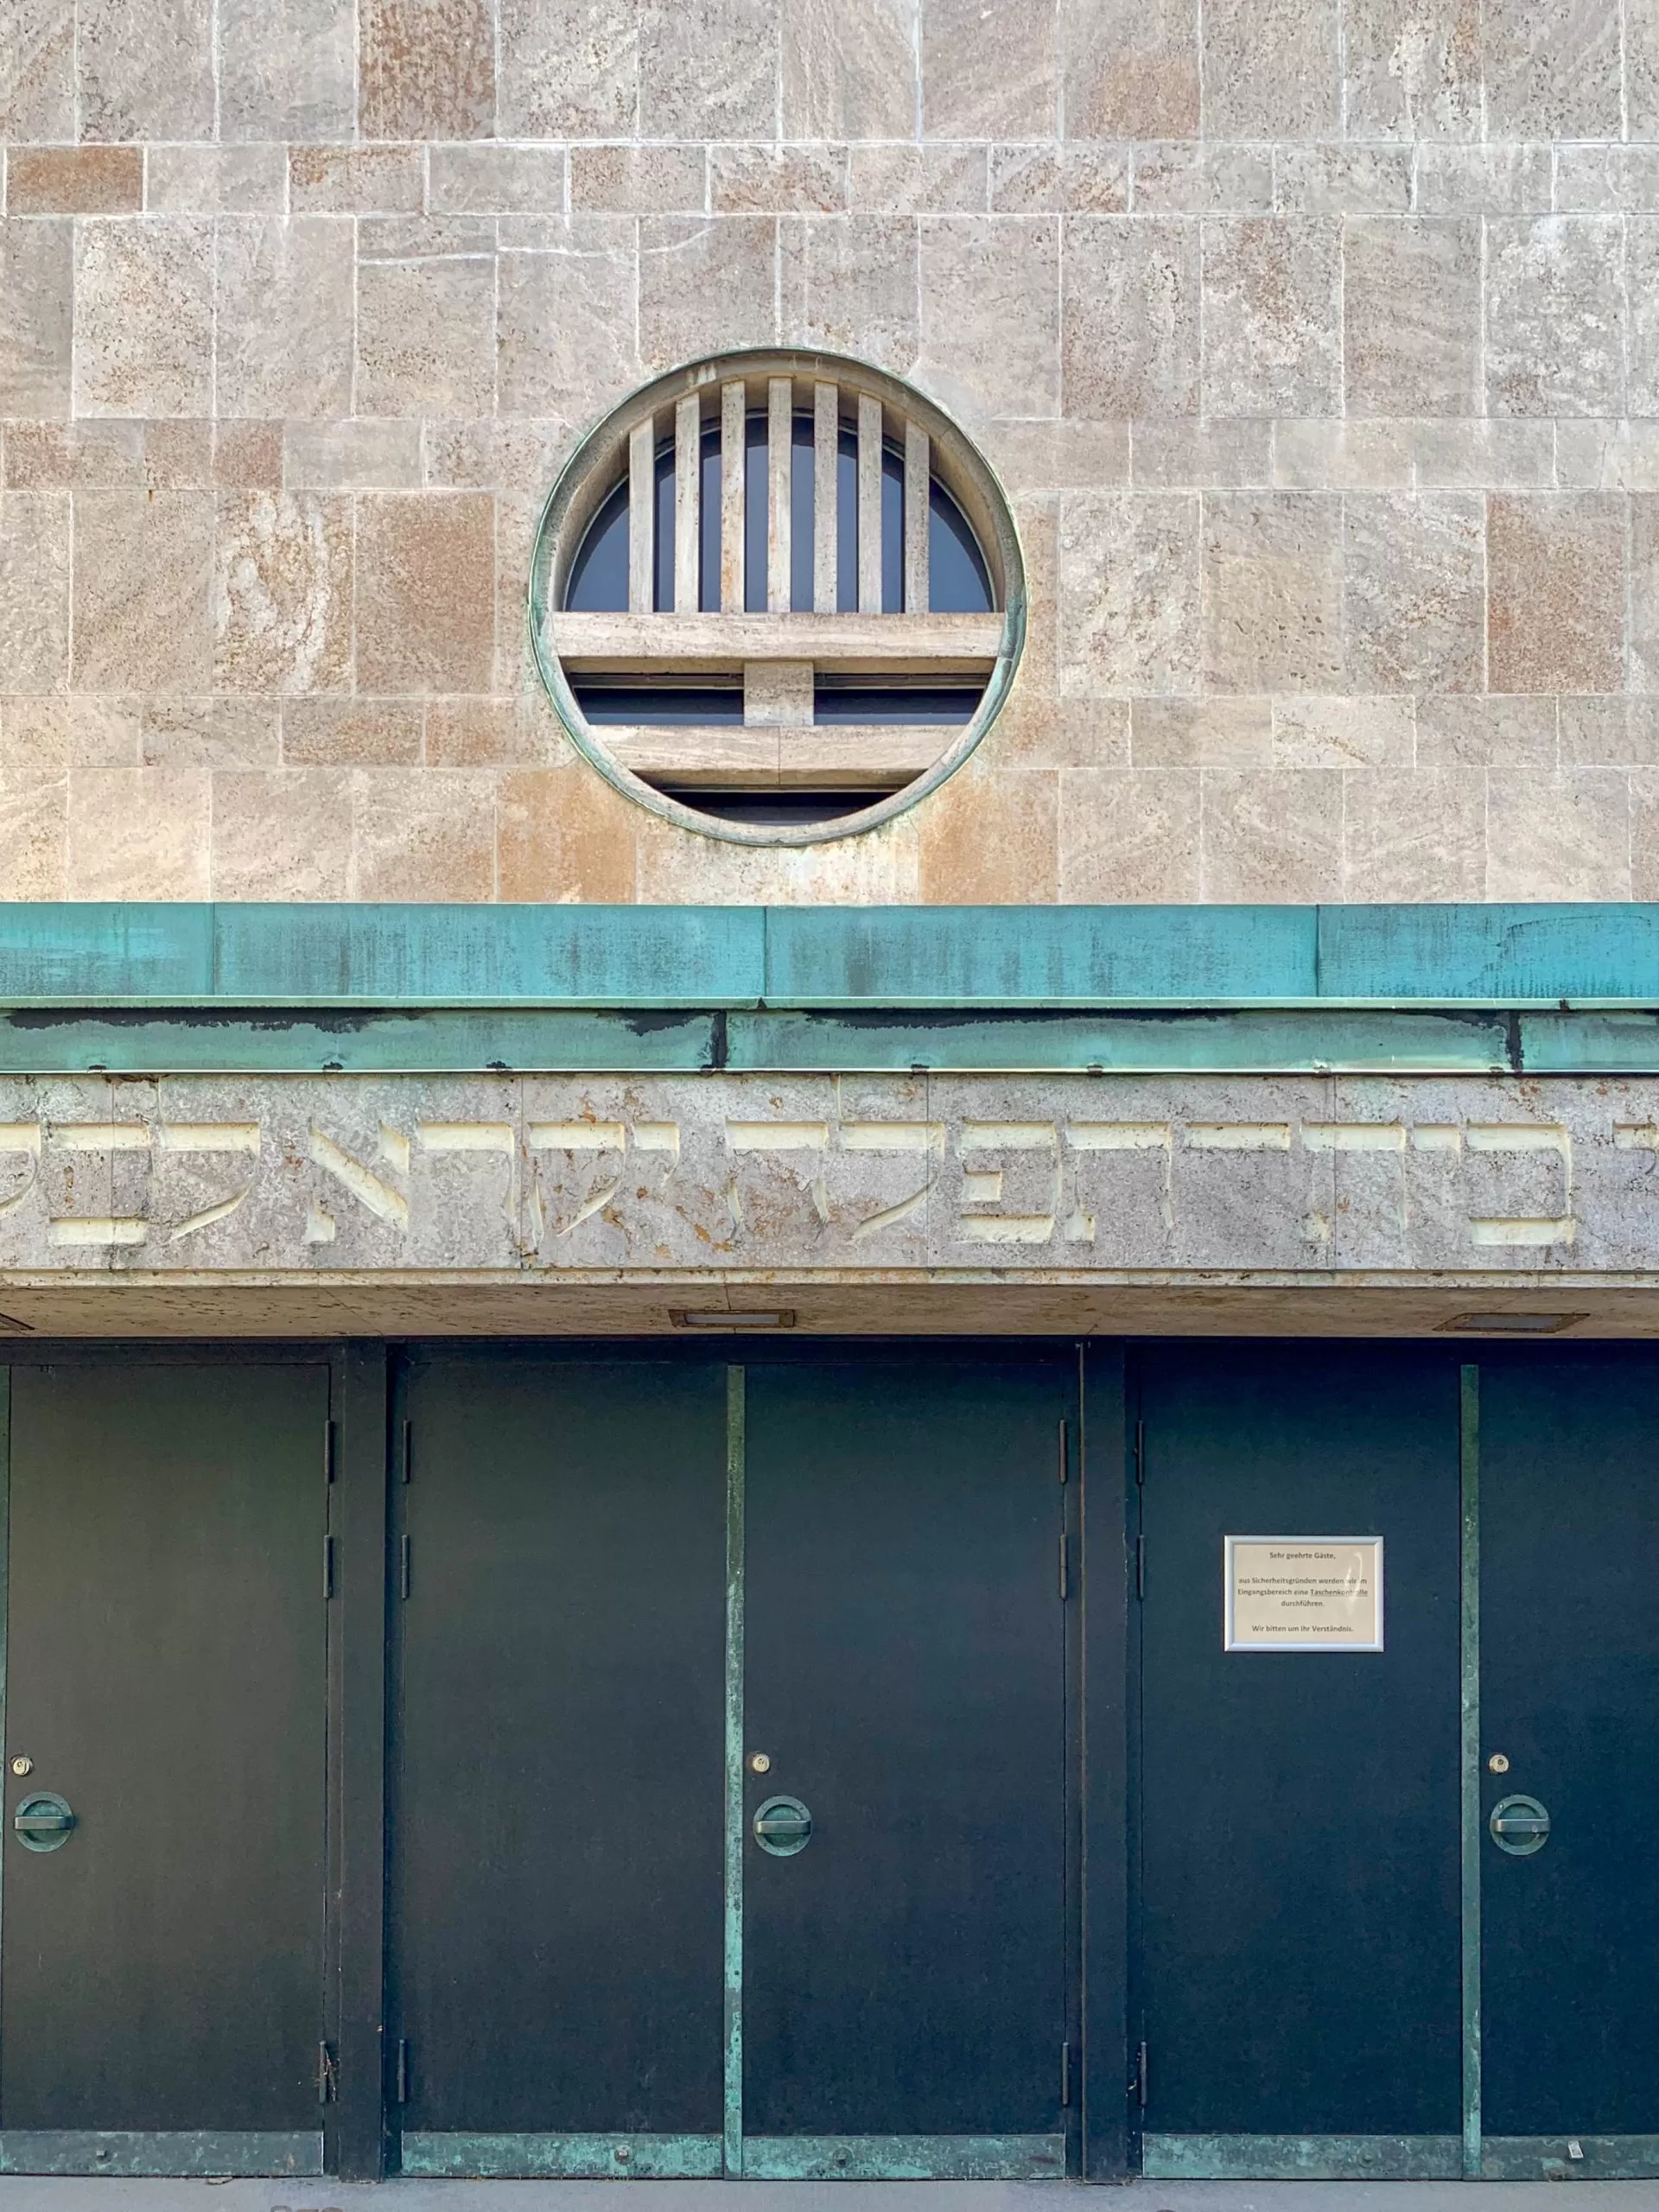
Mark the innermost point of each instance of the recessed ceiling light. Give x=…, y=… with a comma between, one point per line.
x=1511, y=1324
x=784, y=1319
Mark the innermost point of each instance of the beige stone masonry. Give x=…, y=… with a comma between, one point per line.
x=1316, y=342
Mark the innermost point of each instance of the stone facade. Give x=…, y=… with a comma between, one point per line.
x=1314, y=340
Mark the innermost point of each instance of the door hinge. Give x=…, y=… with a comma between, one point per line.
x=402, y=2069
x=1139, y=1454
x=329, y=1430
x=408, y=1468
x=1138, y=2079
x=402, y=1567
x=1139, y=1566
x=328, y=1567
x=1065, y=1568
x=1062, y=1452
x=328, y=2075
x=1065, y=2074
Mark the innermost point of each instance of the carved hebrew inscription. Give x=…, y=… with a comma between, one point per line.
x=981, y=1172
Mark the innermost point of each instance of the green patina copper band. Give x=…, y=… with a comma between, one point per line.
x=1301, y=2158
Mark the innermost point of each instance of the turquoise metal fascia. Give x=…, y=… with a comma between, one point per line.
x=829, y=959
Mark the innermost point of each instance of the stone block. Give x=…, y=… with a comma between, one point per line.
x=1495, y=180
x=1411, y=316
x=1270, y=69
x=926, y=180
x=1033, y=732
x=568, y=69
x=1620, y=733
x=283, y=834
x=1128, y=836
x=430, y=836
x=215, y=179
x=705, y=285
x=285, y=69
x=360, y=454
x=1607, y=179
x=1003, y=358
x=961, y=866
x=1411, y=68
x=1342, y=180
x=1415, y=591
x=566, y=324
x=1058, y=456
x=178, y=455
x=502, y=453
x=1644, y=834
x=1190, y=454
x=138, y=833
x=33, y=819
x=144, y=564
x=1500, y=732
x=1555, y=566
x=74, y=179
x=1201, y=733
x=786, y=179
x=638, y=180
x=850, y=69
x=1130, y=68
x=1129, y=333
x=144, y=69
x=285, y=316
x=521, y=732
x=1128, y=593
x=1075, y=178
x=1174, y=179
x=1643, y=670
x=1272, y=320
x=1641, y=28
x=37, y=280
x=425, y=593
x=426, y=336
x=357, y=180
x=47, y=736
x=1552, y=68
x=880, y=867
x=708, y=69
x=426, y=68
x=1272, y=618
x=849, y=283
x=989, y=69
x=217, y=732
x=37, y=76
x=283, y=592
x=1342, y=731
x=1561, y=836
x=1324, y=453
x=247, y=456
x=356, y=732
x=1408, y=838
x=33, y=591
x=488, y=179
x=1641, y=291
x=74, y=456
x=143, y=316
x=1495, y=454
x=1555, y=315
x=1272, y=835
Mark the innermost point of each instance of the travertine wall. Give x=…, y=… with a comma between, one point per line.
x=1316, y=340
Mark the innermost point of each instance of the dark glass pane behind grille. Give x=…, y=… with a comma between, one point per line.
x=958, y=580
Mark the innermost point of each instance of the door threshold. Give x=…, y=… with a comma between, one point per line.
x=434, y=2154
x=159, y=2154
x=1301, y=2158
x=903, y=2158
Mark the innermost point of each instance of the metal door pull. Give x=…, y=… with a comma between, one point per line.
x=43, y=1821
x=783, y=1825
x=1519, y=1826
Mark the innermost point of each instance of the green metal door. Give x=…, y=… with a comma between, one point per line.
x=161, y=1983
x=1298, y=2007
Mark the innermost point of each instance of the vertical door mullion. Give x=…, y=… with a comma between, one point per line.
x=1469, y=1825
x=1100, y=1631
x=355, y=2121
x=733, y=2069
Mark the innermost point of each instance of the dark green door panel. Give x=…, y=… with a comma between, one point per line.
x=556, y=1923
x=167, y=1677
x=904, y=1974
x=1297, y=1843
x=1569, y=1447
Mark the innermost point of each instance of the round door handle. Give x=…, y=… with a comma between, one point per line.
x=782, y=1825
x=43, y=1821
x=1519, y=1826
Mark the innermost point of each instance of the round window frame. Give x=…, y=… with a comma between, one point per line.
x=590, y=473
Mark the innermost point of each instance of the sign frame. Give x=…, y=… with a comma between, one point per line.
x=1230, y=1639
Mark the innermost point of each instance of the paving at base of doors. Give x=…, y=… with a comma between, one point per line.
x=22, y=2193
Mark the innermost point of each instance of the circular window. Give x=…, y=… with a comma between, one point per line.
x=777, y=597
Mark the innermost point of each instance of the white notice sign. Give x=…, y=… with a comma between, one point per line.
x=1303, y=1593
